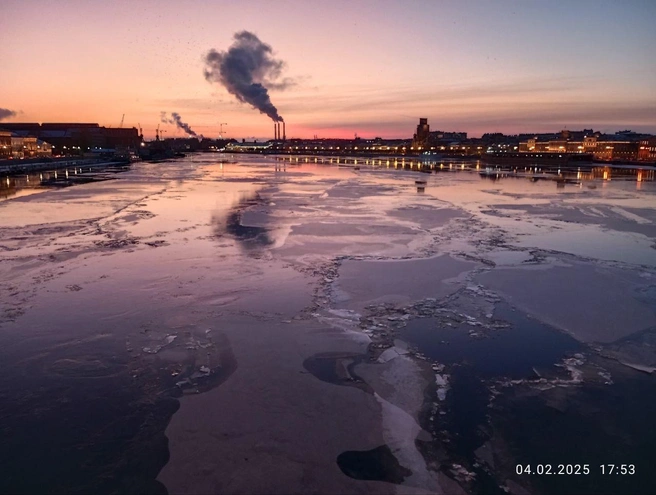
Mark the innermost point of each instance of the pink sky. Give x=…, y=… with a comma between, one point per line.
x=371, y=68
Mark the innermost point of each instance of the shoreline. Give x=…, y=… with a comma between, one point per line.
x=11, y=169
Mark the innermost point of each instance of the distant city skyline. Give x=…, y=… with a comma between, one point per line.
x=366, y=67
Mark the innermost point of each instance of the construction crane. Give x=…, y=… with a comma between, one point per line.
x=120, y=126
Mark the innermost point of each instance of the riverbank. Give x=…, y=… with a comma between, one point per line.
x=14, y=167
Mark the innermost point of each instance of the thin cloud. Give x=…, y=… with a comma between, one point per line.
x=5, y=113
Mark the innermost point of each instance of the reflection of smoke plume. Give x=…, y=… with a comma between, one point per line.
x=177, y=120
x=252, y=239
x=6, y=113
x=246, y=70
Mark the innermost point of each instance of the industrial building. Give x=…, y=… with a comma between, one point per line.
x=77, y=138
x=5, y=144
x=647, y=150
x=621, y=146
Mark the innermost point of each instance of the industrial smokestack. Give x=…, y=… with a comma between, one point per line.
x=284, y=133
x=275, y=132
x=248, y=70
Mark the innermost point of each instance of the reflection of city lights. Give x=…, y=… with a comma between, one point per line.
x=639, y=175
x=605, y=175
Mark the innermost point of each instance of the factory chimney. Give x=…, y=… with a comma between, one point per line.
x=275, y=132
x=284, y=133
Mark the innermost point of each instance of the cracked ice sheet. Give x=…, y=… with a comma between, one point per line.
x=83, y=202
x=624, y=219
x=365, y=282
x=594, y=303
x=350, y=225
x=591, y=242
x=539, y=215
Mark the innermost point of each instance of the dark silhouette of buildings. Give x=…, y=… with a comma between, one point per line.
x=420, y=138
x=77, y=138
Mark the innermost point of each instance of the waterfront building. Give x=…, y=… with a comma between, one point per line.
x=78, y=138
x=43, y=149
x=248, y=147
x=589, y=144
x=621, y=146
x=25, y=147
x=5, y=143
x=420, y=138
x=616, y=151
x=647, y=150
x=17, y=146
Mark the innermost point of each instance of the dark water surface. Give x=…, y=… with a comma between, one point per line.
x=598, y=425
x=83, y=425
x=515, y=352
x=592, y=424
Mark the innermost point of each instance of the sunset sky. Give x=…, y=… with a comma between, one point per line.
x=371, y=67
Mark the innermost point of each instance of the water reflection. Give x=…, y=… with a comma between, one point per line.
x=638, y=173
x=250, y=238
x=21, y=185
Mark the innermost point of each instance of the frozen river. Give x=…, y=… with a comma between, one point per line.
x=244, y=324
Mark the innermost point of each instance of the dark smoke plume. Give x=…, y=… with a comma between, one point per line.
x=246, y=70
x=177, y=120
x=6, y=113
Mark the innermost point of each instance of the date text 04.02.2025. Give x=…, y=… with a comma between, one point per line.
x=575, y=469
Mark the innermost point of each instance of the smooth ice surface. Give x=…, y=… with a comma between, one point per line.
x=373, y=282
x=594, y=304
